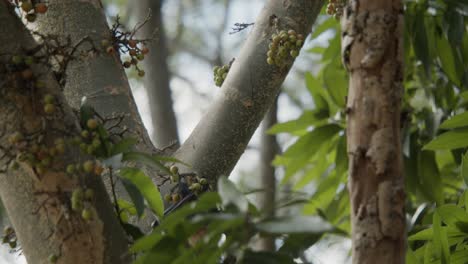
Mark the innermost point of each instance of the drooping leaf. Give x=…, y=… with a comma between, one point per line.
x=429, y=177
x=124, y=145
x=459, y=256
x=448, y=60
x=457, y=138
x=266, y=258
x=453, y=215
x=440, y=239
x=306, y=120
x=457, y=121
x=298, y=155
x=294, y=225
x=136, y=196
x=147, y=160
x=231, y=195
x=146, y=187
x=456, y=27
x=420, y=41
x=133, y=231
x=205, y=202
x=315, y=88
x=336, y=82
x=428, y=234
x=328, y=24
x=170, y=159
x=295, y=244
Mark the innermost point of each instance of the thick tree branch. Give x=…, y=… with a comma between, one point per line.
x=99, y=77
x=269, y=150
x=220, y=138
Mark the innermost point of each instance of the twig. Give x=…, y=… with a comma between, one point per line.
x=238, y=27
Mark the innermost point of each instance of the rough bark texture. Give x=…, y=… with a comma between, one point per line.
x=220, y=138
x=38, y=202
x=158, y=76
x=373, y=53
x=269, y=149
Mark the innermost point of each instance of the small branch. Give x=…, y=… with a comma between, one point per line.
x=114, y=195
x=238, y=27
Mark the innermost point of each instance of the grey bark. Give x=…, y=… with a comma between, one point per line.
x=216, y=144
x=222, y=135
x=157, y=79
x=41, y=225
x=269, y=149
x=99, y=77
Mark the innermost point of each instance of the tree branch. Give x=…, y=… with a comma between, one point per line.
x=220, y=138
x=157, y=79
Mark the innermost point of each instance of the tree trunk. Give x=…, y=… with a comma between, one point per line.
x=269, y=149
x=158, y=76
x=37, y=194
x=373, y=54
x=220, y=138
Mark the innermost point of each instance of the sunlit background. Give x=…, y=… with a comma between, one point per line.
x=206, y=34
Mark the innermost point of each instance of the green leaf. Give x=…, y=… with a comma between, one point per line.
x=457, y=121
x=429, y=177
x=447, y=60
x=316, y=49
x=315, y=88
x=265, y=258
x=411, y=257
x=296, y=244
x=313, y=140
x=306, y=120
x=341, y=158
x=133, y=231
x=459, y=257
x=456, y=27
x=146, y=187
x=440, y=239
x=420, y=42
x=428, y=234
x=124, y=145
x=295, y=225
x=231, y=195
x=336, y=82
x=328, y=24
x=163, y=252
x=325, y=193
x=333, y=50
x=298, y=155
x=454, y=139
x=127, y=206
x=205, y=202
x=170, y=159
x=147, y=160
x=453, y=215
x=135, y=195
